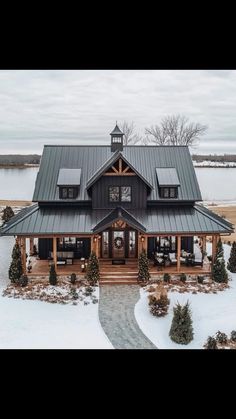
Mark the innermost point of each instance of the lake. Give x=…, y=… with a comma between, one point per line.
x=216, y=184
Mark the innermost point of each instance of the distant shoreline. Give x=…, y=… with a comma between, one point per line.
x=18, y=166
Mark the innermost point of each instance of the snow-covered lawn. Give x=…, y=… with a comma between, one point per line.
x=35, y=324
x=210, y=313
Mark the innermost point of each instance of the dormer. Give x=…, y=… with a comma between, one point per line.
x=68, y=182
x=116, y=139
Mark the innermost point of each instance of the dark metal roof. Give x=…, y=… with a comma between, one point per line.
x=116, y=131
x=118, y=214
x=167, y=176
x=37, y=220
x=90, y=159
x=117, y=155
x=182, y=219
x=69, y=177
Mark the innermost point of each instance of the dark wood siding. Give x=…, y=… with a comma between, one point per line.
x=100, y=192
x=44, y=247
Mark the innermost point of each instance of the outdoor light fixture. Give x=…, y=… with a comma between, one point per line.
x=95, y=239
x=142, y=238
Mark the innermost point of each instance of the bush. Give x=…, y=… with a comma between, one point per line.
x=181, y=330
x=74, y=294
x=73, y=278
x=231, y=265
x=16, y=269
x=183, y=277
x=166, y=278
x=233, y=335
x=219, y=273
x=221, y=337
x=211, y=343
x=8, y=213
x=143, y=267
x=159, y=307
x=88, y=291
x=209, y=258
x=23, y=281
x=93, y=274
x=52, y=275
x=200, y=279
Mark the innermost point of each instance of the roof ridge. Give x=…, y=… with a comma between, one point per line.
x=206, y=213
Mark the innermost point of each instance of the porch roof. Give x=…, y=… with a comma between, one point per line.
x=36, y=220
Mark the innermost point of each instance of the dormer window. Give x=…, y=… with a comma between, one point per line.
x=168, y=182
x=68, y=183
x=68, y=193
x=169, y=193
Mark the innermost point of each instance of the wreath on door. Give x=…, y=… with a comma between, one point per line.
x=118, y=242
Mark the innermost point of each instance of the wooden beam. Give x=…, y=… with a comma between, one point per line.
x=204, y=244
x=55, y=252
x=115, y=170
x=120, y=165
x=119, y=174
x=214, y=241
x=126, y=169
x=23, y=254
x=31, y=246
x=178, y=252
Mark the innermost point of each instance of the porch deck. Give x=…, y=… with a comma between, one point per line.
x=113, y=272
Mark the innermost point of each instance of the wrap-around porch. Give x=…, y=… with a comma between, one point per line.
x=166, y=254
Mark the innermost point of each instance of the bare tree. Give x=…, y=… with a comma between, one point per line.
x=130, y=137
x=175, y=130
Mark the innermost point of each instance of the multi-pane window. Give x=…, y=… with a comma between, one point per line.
x=114, y=194
x=168, y=193
x=120, y=194
x=125, y=193
x=68, y=193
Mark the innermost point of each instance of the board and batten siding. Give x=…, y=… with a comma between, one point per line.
x=100, y=192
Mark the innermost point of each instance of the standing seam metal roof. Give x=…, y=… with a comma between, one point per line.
x=162, y=220
x=91, y=158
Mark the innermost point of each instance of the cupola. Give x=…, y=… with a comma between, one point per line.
x=116, y=139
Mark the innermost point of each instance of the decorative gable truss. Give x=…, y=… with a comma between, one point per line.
x=120, y=168
x=117, y=165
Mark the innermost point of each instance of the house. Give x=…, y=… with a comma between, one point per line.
x=117, y=200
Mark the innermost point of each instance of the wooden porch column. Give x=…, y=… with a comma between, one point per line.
x=178, y=252
x=95, y=244
x=204, y=244
x=214, y=241
x=55, y=252
x=23, y=254
x=31, y=246
x=144, y=244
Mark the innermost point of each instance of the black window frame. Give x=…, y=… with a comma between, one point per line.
x=168, y=188
x=121, y=200
x=109, y=193
x=62, y=195
x=120, y=193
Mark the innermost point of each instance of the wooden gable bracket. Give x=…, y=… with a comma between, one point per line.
x=121, y=171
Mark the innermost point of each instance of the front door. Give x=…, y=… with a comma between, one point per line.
x=118, y=244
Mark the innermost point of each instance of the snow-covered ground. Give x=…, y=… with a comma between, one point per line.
x=33, y=324
x=210, y=313
x=209, y=163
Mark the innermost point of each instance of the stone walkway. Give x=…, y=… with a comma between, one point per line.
x=116, y=314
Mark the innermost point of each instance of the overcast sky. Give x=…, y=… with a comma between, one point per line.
x=81, y=107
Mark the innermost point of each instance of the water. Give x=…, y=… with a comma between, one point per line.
x=215, y=183
x=17, y=183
